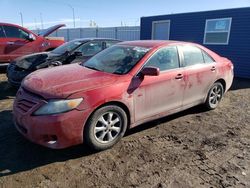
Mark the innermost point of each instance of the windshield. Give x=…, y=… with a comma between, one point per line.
x=118, y=59
x=67, y=47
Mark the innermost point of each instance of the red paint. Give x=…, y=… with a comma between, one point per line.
x=146, y=98
x=11, y=48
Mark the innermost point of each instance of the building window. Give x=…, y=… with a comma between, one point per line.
x=217, y=31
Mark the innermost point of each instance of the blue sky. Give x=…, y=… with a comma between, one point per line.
x=103, y=12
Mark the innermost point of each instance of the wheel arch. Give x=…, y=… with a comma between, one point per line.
x=223, y=82
x=220, y=80
x=117, y=103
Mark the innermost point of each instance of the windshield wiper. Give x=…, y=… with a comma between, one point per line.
x=93, y=68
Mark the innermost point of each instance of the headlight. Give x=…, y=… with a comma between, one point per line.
x=58, y=106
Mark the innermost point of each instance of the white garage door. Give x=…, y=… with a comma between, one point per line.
x=161, y=30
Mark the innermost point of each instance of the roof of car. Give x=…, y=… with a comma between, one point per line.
x=2, y=23
x=150, y=43
x=95, y=39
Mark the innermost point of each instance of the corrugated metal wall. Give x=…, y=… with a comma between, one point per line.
x=121, y=33
x=191, y=27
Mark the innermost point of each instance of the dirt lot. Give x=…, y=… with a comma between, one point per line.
x=195, y=148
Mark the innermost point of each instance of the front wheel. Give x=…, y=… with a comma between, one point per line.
x=105, y=127
x=214, y=96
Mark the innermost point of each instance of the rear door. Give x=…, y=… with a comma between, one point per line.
x=163, y=93
x=17, y=42
x=200, y=74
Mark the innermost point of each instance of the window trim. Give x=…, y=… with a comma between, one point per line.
x=228, y=32
x=204, y=52
x=160, y=21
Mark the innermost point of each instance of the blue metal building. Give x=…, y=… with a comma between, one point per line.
x=226, y=32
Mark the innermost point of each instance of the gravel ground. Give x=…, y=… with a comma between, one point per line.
x=194, y=148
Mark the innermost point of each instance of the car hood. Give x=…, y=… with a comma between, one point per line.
x=26, y=61
x=62, y=81
x=50, y=30
x=29, y=62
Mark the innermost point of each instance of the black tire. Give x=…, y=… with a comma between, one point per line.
x=97, y=131
x=214, y=96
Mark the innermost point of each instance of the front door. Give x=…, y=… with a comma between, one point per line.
x=154, y=95
x=17, y=43
x=3, y=43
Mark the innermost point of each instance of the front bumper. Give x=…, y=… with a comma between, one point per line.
x=52, y=131
x=15, y=76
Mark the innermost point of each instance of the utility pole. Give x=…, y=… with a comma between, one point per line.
x=21, y=15
x=136, y=21
x=41, y=18
x=73, y=11
x=36, y=24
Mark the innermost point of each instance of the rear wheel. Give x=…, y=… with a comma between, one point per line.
x=214, y=96
x=105, y=127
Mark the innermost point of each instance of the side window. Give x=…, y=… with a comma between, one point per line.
x=14, y=32
x=192, y=55
x=165, y=59
x=207, y=58
x=90, y=48
x=110, y=43
x=2, y=35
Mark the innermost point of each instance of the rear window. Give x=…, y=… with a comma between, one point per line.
x=110, y=43
x=192, y=55
x=207, y=58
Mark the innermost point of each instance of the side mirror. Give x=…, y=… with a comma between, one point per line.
x=150, y=71
x=78, y=53
x=31, y=37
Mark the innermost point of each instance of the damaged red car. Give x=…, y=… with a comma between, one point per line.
x=121, y=87
x=16, y=41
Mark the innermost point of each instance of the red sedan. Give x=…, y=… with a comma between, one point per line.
x=119, y=88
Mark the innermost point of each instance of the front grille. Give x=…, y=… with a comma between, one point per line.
x=25, y=105
x=26, y=101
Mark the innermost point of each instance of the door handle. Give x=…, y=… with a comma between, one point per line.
x=10, y=43
x=213, y=68
x=179, y=76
